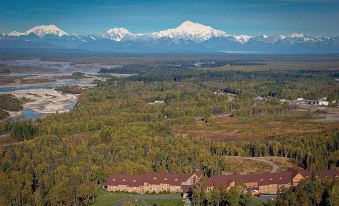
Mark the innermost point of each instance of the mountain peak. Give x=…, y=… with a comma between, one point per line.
x=15, y=33
x=189, y=30
x=46, y=30
x=242, y=38
x=297, y=35
x=41, y=31
x=189, y=24
x=117, y=34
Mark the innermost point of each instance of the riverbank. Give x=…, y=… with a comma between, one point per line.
x=43, y=101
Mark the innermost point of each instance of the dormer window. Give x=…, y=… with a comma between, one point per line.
x=165, y=178
x=154, y=178
x=134, y=180
x=280, y=178
x=271, y=178
x=176, y=179
x=261, y=179
x=124, y=180
x=113, y=179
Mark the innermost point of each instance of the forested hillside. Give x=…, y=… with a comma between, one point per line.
x=117, y=127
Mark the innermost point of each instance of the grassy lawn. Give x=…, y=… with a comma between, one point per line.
x=165, y=202
x=104, y=198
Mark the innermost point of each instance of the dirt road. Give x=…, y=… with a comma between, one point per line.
x=275, y=167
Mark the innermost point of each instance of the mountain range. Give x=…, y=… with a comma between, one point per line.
x=187, y=37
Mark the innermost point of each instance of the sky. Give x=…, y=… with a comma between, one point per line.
x=252, y=17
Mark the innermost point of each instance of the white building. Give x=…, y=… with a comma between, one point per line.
x=323, y=103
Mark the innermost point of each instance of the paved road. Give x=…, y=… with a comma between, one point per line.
x=275, y=167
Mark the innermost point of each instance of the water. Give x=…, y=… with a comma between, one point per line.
x=56, y=69
x=30, y=114
x=49, y=85
x=61, y=67
x=12, y=89
x=38, y=63
x=71, y=105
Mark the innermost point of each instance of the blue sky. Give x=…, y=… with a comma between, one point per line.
x=312, y=17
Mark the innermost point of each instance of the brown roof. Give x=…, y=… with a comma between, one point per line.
x=217, y=181
x=150, y=178
x=305, y=173
x=327, y=174
x=275, y=178
x=320, y=174
x=124, y=179
x=260, y=178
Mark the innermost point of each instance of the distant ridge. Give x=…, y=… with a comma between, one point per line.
x=188, y=36
x=41, y=31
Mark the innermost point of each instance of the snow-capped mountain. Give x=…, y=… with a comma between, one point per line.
x=186, y=31
x=189, y=31
x=117, y=34
x=15, y=33
x=292, y=38
x=187, y=37
x=242, y=38
x=41, y=31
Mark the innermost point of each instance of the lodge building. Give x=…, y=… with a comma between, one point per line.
x=256, y=184
x=152, y=182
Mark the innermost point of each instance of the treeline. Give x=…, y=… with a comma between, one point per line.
x=20, y=130
x=289, y=84
x=235, y=196
x=114, y=129
x=23, y=130
x=70, y=89
x=311, y=151
x=310, y=84
x=45, y=172
x=249, y=107
x=307, y=193
x=50, y=170
x=310, y=193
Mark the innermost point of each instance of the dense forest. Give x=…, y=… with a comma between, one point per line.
x=116, y=127
x=307, y=193
x=312, y=192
